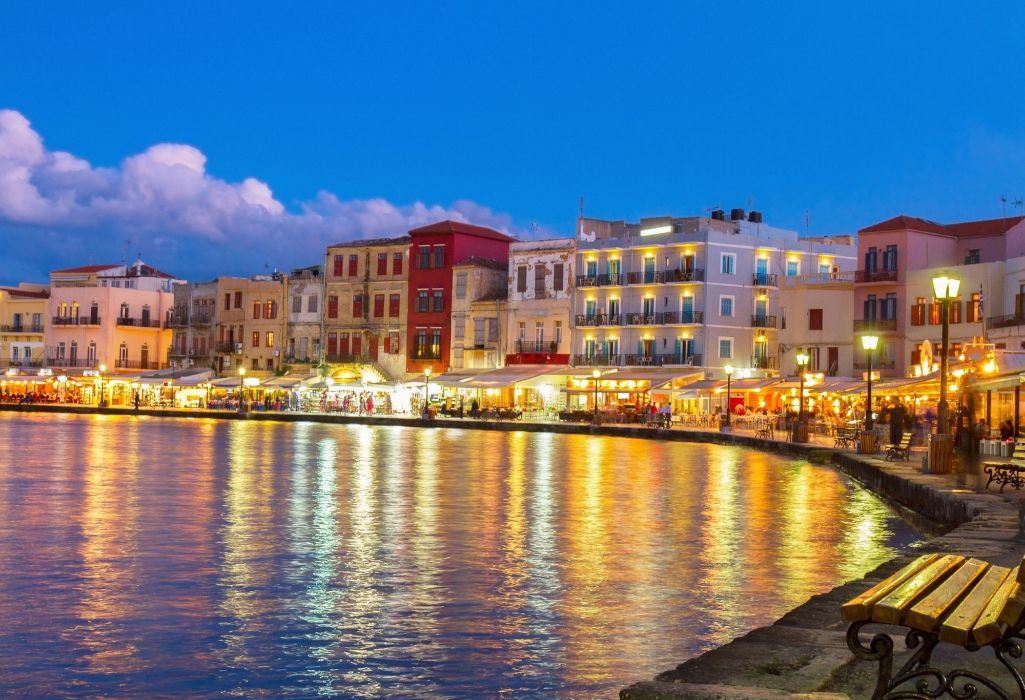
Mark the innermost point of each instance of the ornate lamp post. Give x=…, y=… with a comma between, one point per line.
x=596, y=374
x=103, y=368
x=427, y=392
x=241, y=389
x=802, y=363
x=869, y=344
x=945, y=287
x=728, y=371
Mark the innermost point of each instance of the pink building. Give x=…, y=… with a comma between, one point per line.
x=112, y=315
x=892, y=292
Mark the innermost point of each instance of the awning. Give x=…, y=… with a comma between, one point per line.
x=285, y=382
x=449, y=378
x=753, y=384
x=507, y=376
x=227, y=382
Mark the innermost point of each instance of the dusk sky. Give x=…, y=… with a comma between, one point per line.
x=220, y=138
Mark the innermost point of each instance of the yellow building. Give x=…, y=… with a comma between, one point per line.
x=251, y=324
x=22, y=314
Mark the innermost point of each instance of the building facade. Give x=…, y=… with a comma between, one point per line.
x=192, y=323
x=816, y=316
x=478, y=311
x=22, y=321
x=109, y=315
x=434, y=249
x=305, y=315
x=366, y=288
x=251, y=324
x=540, y=284
x=893, y=293
x=694, y=291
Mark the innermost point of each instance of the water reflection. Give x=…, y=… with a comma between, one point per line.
x=265, y=559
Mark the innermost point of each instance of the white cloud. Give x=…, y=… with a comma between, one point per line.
x=165, y=202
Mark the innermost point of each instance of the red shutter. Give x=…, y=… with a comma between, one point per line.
x=332, y=344
x=357, y=344
x=393, y=305
x=378, y=306
x=815, y=319
x=353, y=265
x=338, y=266
x=357, y=306
x=387, y=344
x=382, y=264
x=396, y=264
x=332, y=307
x=343, y=344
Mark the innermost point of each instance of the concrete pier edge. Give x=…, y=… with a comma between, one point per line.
x=801, y=655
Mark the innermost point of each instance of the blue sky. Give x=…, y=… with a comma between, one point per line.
x=285, y=128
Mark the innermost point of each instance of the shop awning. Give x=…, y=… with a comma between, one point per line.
x=507, y=376
x=227, y=382
x=753, y=384
x=285, y=382
x=449, y=378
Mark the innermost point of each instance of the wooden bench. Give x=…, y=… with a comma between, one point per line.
x=1005, y=473
x=902, y=449
x=846, y=437
x=941, y=598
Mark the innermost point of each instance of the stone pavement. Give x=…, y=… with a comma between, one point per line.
x=804, y=654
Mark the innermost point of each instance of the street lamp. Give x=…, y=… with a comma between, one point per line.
x=728, y=371
x=103, y=368
x=802, y=363
x=945, y=288
x=869, y=344
x=595, y=373
x=241, y=389
x=427, y=392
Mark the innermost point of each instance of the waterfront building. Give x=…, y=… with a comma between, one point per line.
x=816, y=316
x=693, y=291
x=365, y=316
x=305, y=315
x=193, y=319
x=893, y=292
x=251, y=324
x=478, y=313
x=434, y=250
x=540, y=285
x=114, y=315
x=22, y=314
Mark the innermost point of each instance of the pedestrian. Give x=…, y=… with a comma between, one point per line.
x=667, y=415
x=370, y=405
x=136, y=400
x=896, y=423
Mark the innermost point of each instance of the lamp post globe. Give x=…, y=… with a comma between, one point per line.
x=728, y=371
x=869, y=344
x=103, y=370
x=945, y=288
x=802, y=364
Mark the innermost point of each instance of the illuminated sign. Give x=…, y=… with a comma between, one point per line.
x=657, y=230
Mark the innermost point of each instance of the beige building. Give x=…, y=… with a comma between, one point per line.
x=22, y=314
x=109, y=315
x=193, y=320
x=251, y=324
x=540, y=301
x=305, y=315
x=479, y=305
x=365, y=290
x=816, y=315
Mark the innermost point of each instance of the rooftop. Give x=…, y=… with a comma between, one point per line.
x=965, y=229
x=25, y=293
x=367, y=242
x=476, y=261
x=450, y=226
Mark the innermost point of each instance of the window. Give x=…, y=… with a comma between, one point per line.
x=478, y=332
x=539, y=336
x=824, y=268
x=393, y=341
x=492, y=329
x=539, y=281
x=522, y=330
x=439, y=256
x=890, y=258
x=227, y=301
x=793, y=266
x=357, y=306
x=871, y=257
x=436, y=343
x=558, y=277
x=973, y=257
x=725, y=348
x=425, y=257
x=297, y=304
x=393, y=305
x=439, y=300
x=725, y=305
x=889, y=310
x=270, y=309
x=338, y=266
x=238, y=300
x=382, y=264
x=815, y=319
x=728, y=264
x=459, y=327
x=954, y=311
x=918, y=312
x=256, y=339
x=396, y=267
x=270, y=339
x=353, y=265
x=257, y=309
x=255, y=363
x=460, y=285
x=934, y=313
x=558, y=331
x=378, y=306
x=975, y=308
x=422, y=303
x=312, y=304
x=332, y=306
x=521, y=279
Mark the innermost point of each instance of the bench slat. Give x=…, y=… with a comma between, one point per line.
x=989, y=628
x=927, y=612
x=860, y=608
x=1015, y=605
x=959, y=622
x=894, y=607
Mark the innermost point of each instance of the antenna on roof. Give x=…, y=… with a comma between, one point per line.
x=1003, y=206
x=1018, y=203
x=580, y=210
x=807, y=222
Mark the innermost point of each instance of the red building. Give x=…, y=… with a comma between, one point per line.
x=433, y=250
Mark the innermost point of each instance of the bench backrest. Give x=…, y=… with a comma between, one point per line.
x=905, y=440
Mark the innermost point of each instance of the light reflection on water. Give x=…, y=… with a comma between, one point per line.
x=151, y=556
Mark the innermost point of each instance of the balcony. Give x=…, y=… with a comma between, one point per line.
x=596, y=360
x=425, y=353
x=180, y=320
x=677, y=276
x=876, y=364
x=637, y=360
x=76, y=320
x=765, y=279
x=26, y=364
x=875, y=324
x=21, y=329
x=819, y=278
x=1005, y=321
x=659, y=277
x=482, y=345
x=64, y=363
x=139, y=364
x=763, y=363
x=536, y=346
x=137, y=322
x=228, y=348
x=875, y=276
x=763, y=321
x=583, y=320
